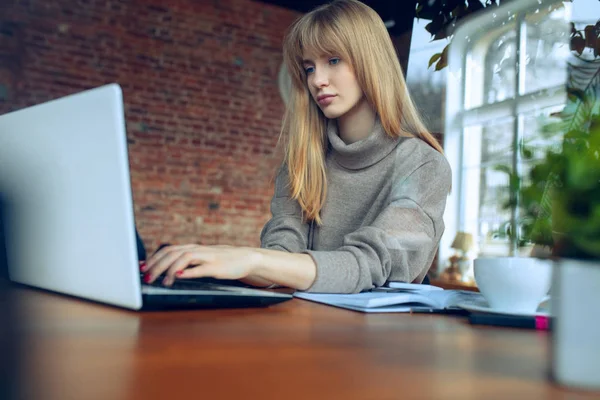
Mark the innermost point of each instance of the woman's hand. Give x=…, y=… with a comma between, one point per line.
x=254, y=266
x=195, y=261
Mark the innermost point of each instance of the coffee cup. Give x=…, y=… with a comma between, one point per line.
x=513, y=284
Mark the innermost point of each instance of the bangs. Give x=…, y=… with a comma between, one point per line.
x=318, y=34
x=321, y=37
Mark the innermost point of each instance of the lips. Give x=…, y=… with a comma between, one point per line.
x=325, y=99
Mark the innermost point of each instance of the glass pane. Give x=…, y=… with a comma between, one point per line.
x=538, y=140
x=547, y=48
x=486, y=192
x=425, y=84
x=492, y=216
x=487, y=152
x=497, y=141
x=484, y=187
x=500, y=64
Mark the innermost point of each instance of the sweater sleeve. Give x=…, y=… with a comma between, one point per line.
x=285, y=231
x=400, y=244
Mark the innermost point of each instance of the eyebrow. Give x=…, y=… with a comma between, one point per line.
x=307, y=62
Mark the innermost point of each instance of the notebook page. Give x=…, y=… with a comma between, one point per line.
x=371, y=299
x=411, y=286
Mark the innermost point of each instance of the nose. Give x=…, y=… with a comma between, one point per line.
x=320, y=78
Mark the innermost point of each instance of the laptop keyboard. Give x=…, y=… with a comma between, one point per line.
x=197, y=284
x=183, y=285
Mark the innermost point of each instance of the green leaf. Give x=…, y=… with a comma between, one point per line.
x=434, y=58
x=503, y=168
x=439, y=35
x=435, y=26
x=576, y=93
x=443, y=61
x=582, y=174
x=428, y=28
x=590, y=245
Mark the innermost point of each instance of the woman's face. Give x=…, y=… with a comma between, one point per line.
x=332, y=84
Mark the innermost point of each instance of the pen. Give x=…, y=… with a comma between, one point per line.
x=514, y=321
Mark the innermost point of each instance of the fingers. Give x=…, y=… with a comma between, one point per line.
x=195, y=261
x=214, y=269
x=164, y=258
x=199, y=271
x=162, y=251
x=177, y=267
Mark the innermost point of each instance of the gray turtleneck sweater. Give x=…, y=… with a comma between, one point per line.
x=382, y=219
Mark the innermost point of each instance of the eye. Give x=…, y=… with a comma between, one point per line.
x=334, y=61
x=309, y=70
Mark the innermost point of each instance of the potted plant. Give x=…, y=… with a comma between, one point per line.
x=558, y=208
x=568, y=183
x=564, y=196
x=571, y=180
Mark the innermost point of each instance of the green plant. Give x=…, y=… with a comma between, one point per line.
x=443, y=16
x=529, y=206
x=563, y=194
x=530, y=225
x=532, y=222
x=567, y=184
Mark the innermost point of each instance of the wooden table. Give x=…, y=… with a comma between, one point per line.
x=296, y=350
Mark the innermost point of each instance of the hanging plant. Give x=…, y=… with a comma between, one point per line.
x=445, y=14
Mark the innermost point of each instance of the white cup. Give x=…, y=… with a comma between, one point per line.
x=513, y=284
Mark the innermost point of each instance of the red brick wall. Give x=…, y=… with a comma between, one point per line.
x=202, y=105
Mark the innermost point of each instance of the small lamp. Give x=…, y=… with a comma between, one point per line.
x=463, y=243
x=459, y=262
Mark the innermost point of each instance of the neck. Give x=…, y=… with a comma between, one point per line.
x=364, y=153
x=357, y=123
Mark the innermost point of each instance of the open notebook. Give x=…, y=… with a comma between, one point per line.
x=398, y=297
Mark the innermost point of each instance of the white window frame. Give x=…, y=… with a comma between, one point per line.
x=467, y=56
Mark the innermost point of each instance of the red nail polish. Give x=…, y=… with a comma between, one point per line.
x=179, y=273
x=147, y=278
x=142, y=266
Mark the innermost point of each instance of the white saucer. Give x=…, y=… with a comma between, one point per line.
x=485, y=308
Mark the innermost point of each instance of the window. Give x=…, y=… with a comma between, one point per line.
x=506, y=77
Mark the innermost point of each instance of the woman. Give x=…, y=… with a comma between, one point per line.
x=360, y=197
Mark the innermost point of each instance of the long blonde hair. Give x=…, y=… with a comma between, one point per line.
x=353, y=31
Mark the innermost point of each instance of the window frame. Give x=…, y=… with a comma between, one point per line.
x=465, y=105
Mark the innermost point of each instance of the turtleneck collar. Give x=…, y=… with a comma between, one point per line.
x=365, y=152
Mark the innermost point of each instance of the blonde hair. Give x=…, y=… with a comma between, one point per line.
x=353, y=31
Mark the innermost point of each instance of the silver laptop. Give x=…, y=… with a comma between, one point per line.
x=68, y=218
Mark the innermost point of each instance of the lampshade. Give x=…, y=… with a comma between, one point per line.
x=462, y=241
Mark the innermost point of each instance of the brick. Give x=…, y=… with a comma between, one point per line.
x=194, y=76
